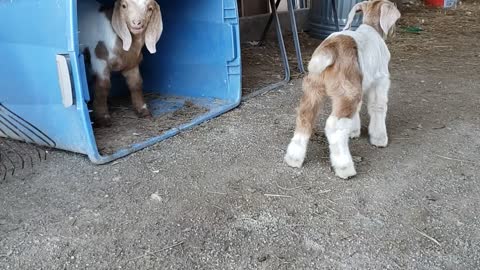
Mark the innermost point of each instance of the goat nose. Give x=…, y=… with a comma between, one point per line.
x=137, y=22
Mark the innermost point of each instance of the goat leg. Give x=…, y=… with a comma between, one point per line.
x=135, y=85
x=307, y=112
x=100, y=106
x=377, y=108
x=338, y=128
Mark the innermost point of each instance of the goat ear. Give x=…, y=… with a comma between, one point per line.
x=357, y=8
x=120, y=27
x=154, y=30
x=389, y=15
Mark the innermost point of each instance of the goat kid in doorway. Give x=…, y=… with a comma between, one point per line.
x=114, y=38
x=345, y=67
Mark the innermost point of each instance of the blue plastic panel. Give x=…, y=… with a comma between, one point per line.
x=201, y=43
x=198, y=58
x=30, y=97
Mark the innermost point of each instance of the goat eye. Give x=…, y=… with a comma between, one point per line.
x=124, y=6
x=150, y=9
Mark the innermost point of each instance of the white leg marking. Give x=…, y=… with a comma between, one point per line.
x=99, y=66
x=337, y=131
x=377, y=109
x=356, y=124
x=144, y=106
x=296, y=150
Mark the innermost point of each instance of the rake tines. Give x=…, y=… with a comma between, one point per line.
x=16, y=156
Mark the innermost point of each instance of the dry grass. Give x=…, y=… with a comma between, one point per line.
x=128, y=129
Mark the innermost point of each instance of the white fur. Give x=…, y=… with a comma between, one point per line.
x=373, y=59
x=377, y=109
x=93, y=27
x=319, y=63
x=142, y=3
x=296, y=150
x=373, y=54
x=337, y=131
x=356, y=123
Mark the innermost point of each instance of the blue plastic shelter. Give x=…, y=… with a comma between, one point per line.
x=43, y=83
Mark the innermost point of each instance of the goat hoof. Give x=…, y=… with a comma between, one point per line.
x=144, y=113
x=293, y=161
x=295, y=154
x=103, y=121
x=346, y=172
x=354, y=134
x=379, y=141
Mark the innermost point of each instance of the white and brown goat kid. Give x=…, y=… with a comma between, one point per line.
x=345, y=67
x=114, y=38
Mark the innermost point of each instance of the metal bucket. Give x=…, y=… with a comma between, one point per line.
x=322, y=20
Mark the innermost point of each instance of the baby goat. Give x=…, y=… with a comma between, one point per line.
x=114, y=37
x=346, y=66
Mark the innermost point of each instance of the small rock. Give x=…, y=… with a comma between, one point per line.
x=357, y=159
x=156, y=197
x=440, y=127
x=262, y=258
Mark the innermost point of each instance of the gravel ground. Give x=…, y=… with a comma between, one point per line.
x=220, y=196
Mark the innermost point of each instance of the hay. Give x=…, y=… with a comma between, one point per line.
x=127, y=128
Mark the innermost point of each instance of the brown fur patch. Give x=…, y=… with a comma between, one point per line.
x=371, y=16
x=343, y=79
x=372, y=12
x=101, y=51
x=307, y=112
x=126, y=60
x=342, y=82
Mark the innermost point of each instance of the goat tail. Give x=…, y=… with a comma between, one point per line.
x=320, y=61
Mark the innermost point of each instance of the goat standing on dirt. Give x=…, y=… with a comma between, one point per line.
x=346, y=66
x=114, y=38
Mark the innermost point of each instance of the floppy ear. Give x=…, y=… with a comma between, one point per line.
x=120, y=27
x=357, y=8
x=154, y=30
x=389, y=14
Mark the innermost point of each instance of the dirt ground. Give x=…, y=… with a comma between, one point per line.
x=220, y=196
x=262, y=64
